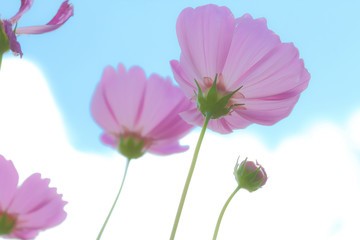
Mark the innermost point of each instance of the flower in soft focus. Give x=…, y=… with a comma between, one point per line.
x=250, y=175
x=8, y=39
x=258, y=78
x=30, y=208
x=139, y=114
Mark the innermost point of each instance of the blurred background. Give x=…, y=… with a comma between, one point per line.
x=312, y=156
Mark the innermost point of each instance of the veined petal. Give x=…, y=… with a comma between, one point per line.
x=280, y=72
x=14, y=44
x=50, y=214
x=100, y=106
x=267, y=111
x=8, y=182
x=65, y=11
x=160, y=118
x=24, y=7
x=125, y=93
x=205, y=36
x=33, y=194
x=183, y=78
x=252, y=40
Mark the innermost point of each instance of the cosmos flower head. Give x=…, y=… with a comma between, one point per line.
x=9, y=28
x=140, y=114
x=237, y=64
x=29, y=208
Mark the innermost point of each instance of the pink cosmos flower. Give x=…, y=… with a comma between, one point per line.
x=28, y=209
x=139, y=114
x=242, y=53
x=65, y=11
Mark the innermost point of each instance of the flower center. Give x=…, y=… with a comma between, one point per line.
x=132, y=146
x=7, y=223
x=216, y=103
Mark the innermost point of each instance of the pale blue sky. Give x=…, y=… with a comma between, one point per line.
x=140, y=32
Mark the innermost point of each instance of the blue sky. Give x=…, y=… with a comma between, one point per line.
x=143, y=33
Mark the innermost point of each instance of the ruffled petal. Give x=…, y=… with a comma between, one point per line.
x=125, y=94
x=33, y=194
x=24, y=7
x=252, y=40
x=205, y=35
x=100, y=106
x=265, y=111
x=49, y=215
x=162, y=104
x=8, y=182
x=65, y=11
x=184, y=78
x=13, y=43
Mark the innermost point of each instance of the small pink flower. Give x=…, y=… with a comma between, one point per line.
x=139, y=114
x=30, y=208
x=243, y=53
x=65, y=11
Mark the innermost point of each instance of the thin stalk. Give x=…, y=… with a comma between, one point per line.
x=117, y=197
x=188, y=179
x=223, y=211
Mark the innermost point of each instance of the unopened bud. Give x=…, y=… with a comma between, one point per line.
x=250, y=175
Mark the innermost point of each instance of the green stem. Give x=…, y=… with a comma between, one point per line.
x=1, y=55
x=188, y=179
x=117, y=197
x=223, y=211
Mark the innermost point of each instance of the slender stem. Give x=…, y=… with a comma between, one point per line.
x=223, y=211
x=1, y=55
x=113, y=206
x=188, y=179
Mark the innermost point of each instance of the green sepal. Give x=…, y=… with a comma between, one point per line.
x=131, y=147
x=213, y=104
x=7, y=224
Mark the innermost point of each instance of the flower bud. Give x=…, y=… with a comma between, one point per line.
x=250, y=175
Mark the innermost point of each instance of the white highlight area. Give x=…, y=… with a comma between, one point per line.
x=313, y=190
x=354, y=129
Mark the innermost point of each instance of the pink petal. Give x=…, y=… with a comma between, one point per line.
x=195, y=117
x=166, y=148
x=205, y=35
x=65, y=11
x=33, y=194
x=267, y=112
x=100, y=106
x=125, y=94
x=110, y=140
x=49, y=215
x=8, y=182
x=24, y=7
x=162, y=104
x=184, y=79
x=252, y=40
x=23, y=234
x=279, y=72
x=14, y=44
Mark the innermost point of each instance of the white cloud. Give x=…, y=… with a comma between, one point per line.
x=313, y=189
